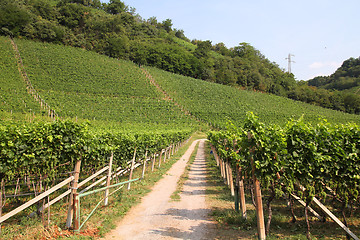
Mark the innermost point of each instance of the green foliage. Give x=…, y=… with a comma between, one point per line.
x=300, y=154
x=116, y=7
x=13, y=17
x=91, y=86
x=214, y=103
x=115, y=30
x=14, y=97
x=48, y=149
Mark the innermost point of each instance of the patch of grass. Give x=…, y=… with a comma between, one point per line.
x=175, y=196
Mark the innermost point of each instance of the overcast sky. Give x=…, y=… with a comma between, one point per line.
x=320, y=33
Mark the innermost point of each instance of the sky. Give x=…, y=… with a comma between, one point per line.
x=320, y=34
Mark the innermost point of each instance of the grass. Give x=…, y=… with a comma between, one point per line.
x=104, y=219
x=175, y=196
x=231, y=225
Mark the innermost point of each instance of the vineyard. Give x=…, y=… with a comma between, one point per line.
x=120, y=116
x=85, y=85
x=116, y=109
x=14, y=97
x=41, y=156
x=216, y=103
x=311, y=163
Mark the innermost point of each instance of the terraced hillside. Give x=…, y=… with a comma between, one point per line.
x=14, y=96
x=216, y=103
x=86, y=85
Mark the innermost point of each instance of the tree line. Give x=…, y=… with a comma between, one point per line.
x=116, y=30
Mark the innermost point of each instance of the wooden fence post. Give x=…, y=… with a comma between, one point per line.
x=225, y=172
x=259, y=205
x=165, y=155
x=76, y=212
x=161, y=152
x=73, y=192
x=106, y=201
x=231, y=180
x=144, y=166
x=132, y=168
x=153, y=162
x=242, y=197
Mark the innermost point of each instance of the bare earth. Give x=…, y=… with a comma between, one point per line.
x=157, y=217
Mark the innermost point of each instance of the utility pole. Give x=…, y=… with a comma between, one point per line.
x=290, y=61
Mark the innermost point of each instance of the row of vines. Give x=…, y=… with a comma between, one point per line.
x=48, y=149
x=311, y=161
x=213, y=103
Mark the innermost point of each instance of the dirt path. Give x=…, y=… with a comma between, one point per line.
x=157, y=217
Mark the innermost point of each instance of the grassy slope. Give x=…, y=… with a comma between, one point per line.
x=14, y=96
x=87, y=85
x=78, y=83
x=215, y=103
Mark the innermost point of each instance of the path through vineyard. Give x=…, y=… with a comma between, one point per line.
x=157, y=217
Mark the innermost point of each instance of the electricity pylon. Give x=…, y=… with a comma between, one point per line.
x=290, y=61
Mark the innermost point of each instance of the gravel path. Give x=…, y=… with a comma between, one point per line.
x=157, y=217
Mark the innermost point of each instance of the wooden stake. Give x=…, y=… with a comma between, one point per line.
x=259, y=210
x=334, y=218
x=161, y=152
x=309, y=208
x=153, y=162
x=231, y=180
x=76, y=212
x=259, y=205
x=108, y=180
x=132, y=168
x=73, y=192
x=226, y=179
x=242, y=194
x=165, y=155
x=48, y=199
x=144, y=165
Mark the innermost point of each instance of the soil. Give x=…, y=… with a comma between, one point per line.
x=158, y=217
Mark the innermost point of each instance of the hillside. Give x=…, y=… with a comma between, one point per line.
x=345, y=78
x=116, y=30
x=14, y=96
x=217, y=103
x=86, y=85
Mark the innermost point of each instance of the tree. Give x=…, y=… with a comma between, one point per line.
x=203, y=49
x=166, y=25
x=13, y=17
x=116, y=7
x=118, y=46
x=72, y=15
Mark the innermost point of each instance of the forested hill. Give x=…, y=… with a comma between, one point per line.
x=114, y=29
x=346, y=77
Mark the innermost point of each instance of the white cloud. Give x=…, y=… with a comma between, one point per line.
x=327, y=65
x=325, y=68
